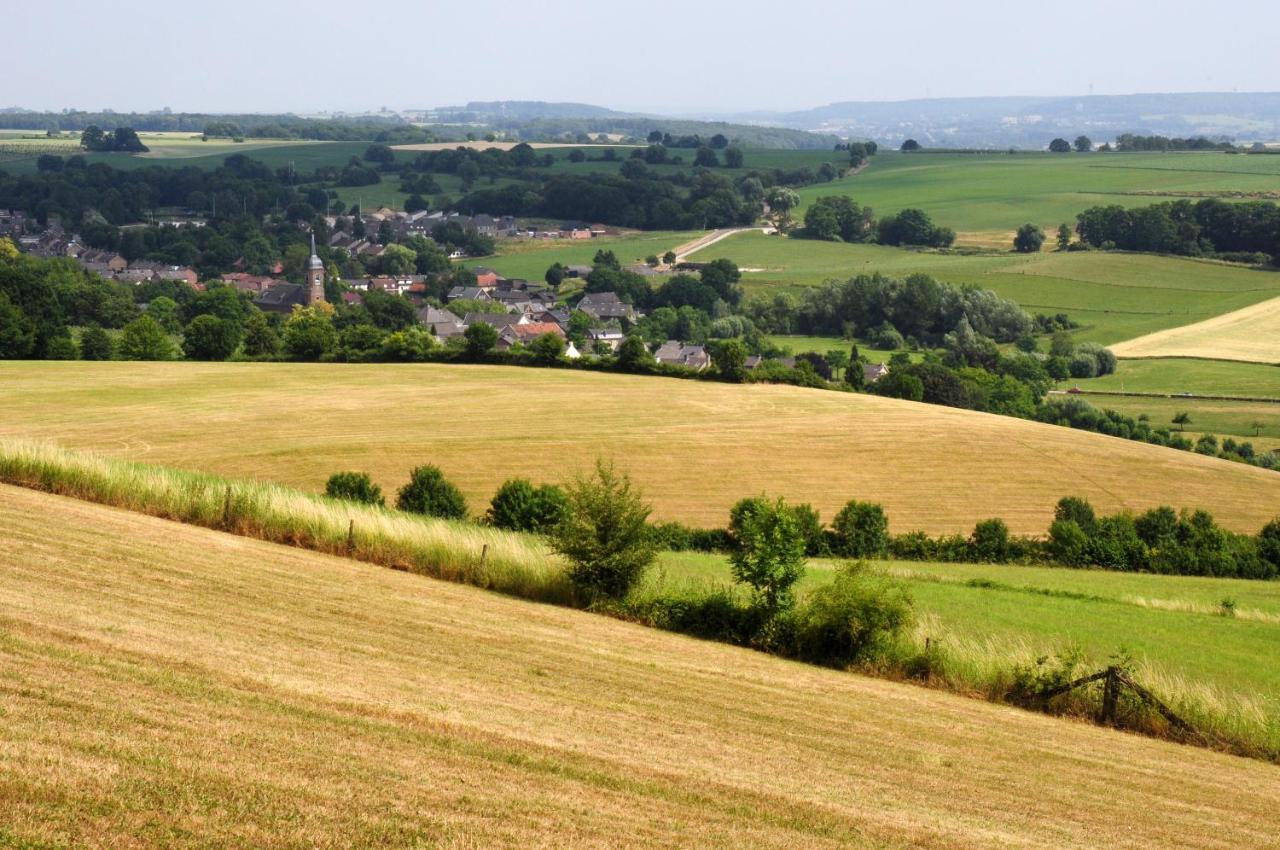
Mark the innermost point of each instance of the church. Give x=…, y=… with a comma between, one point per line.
x=283, y=297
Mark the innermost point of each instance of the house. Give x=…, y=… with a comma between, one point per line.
x=497, y=321
x=282, y=298
x=523, y=334
x=441, y=323
x=673, y=353
x=602, y=338
x=486, y=278
x=182, y=273
x=755, y=361
x=606, y=306
x=872, y=372
x=469, y=293
x=109, y=259
x=352, y=299
x=249, y=282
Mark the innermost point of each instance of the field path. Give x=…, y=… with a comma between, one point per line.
x=1251, y=334
x=695, y=245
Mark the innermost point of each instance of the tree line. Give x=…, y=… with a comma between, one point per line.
x=1208, y=228
x=838, y=218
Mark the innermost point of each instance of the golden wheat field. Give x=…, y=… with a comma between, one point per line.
x=695, y=447
x=1251, y=334
x=169, y=686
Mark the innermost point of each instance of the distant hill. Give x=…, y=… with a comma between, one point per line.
x=1033, y=121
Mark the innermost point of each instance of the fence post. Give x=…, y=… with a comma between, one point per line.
x=226, y=509
x=484, y=553
x=1110, y=695
x=351, y=537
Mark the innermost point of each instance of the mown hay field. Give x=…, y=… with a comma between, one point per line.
x=986, y=196
x=1115, y=296
x=169, y=686
x=695, y=447
x=1249, y=334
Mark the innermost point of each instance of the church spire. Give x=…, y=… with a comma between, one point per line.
x=315, y=275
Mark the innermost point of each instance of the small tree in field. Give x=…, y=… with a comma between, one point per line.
x=1182, y=419
x=1028, y=239
x=520, y=506
x=605, y=535
x=1064, y=237
x=861, y=529
x=769, y=555
x=354, y=487
x=429, y=492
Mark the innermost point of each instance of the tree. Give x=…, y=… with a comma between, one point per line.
x=606, y=259
x=208, y=337
x=144, y=339
x=990, y=541
x=1257, y=427
x=165, y=311
x=1064, y=237
x=705, y=157
x=519, y=506
x=429, y=492
x=669, y=258
x=17, y=334
x=309, y=334
x=353, y=487
x=1028, y=239
x=1182, y=419
x=1084, y=144
x=554, y=275
x=481, y=338
x=733, y=157
x=719, y=141
x=547, y=348
x=576, y=155
x=1060, y=146
x=604, y=535
x=861, y=529
x=260, y=339
x=633, y=354
x=910, y=145
x=769, y=551
x=729, y=356
x=782, y=201
x=95, y=344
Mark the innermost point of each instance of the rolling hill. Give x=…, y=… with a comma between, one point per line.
x=695, y=447
x=170, y=686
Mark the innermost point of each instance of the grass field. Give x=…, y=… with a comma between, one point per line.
x=1250, y=334
x=529, y=259
x=696, y=447
x=170, y=686
x=987, y=197
x=1115, y=296
x=1171, y=625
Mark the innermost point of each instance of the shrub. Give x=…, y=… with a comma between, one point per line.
x=144, y=339
x=861, y=530
x=604, y=535
x=851, y=619
x=990, y=541
x=354, y=487
x=1028, y=239
x=1068, y=543
x=1077, y=510
x=429, y=492
x=519, y=506
x=769, y=555
x=95, y=344
x=208, y=337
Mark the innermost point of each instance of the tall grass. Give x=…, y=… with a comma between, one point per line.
x=518, y=565
x=521, y=565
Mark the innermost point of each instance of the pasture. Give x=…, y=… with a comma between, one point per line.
x=985, y=197
x=1115, y=296
x=1171, y=626
x=696, y=447
x=530, y=258
x=208, y=690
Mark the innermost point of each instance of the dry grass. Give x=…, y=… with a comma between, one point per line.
x=694, y=447
x=165, y=685
x=1250, y=334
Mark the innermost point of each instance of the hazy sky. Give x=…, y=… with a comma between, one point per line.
x=652, y=55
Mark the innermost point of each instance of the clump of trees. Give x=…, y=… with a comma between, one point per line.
x=1247, y=231
x=123, y=139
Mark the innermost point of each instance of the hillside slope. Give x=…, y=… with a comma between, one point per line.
x=1250, y=334
x=695, y=447
x=170, y=686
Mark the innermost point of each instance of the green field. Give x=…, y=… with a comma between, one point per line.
x=529, y=259
x=1173, y=624
x=992, y=194
x=1114, y=296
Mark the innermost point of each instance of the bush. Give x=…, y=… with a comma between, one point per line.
x=429, y=492
x=519, y=506
x=604, y=535
x=144, y=339
x=990, y=541
x=861, y=530
x=354, y=487
x=852, y=619
x=95, y=344
x=1028, y=239
x=769, y=555
x=208, y=337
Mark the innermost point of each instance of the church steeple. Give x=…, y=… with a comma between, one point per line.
x=315, y=276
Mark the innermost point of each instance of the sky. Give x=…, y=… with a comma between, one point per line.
x=652, y=56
